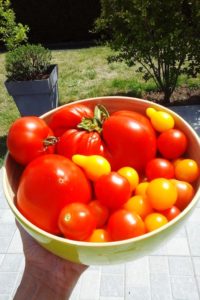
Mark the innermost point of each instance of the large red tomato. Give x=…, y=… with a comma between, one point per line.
x=75, y=141
x=49, y=183
x=130, y=139
x=69, y=117
x=28, y=138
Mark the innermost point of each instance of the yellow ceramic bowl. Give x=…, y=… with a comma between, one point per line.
x=113, y=252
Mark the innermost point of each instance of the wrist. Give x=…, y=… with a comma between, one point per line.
x=41, y=284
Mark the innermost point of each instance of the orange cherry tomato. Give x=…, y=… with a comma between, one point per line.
x=186, y=170
x=140, y=205
x=185, y=193
x=141, y=188
x=99, y=236
x=162, y=193
x=154, y=221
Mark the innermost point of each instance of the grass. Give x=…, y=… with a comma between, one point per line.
x=83, y=73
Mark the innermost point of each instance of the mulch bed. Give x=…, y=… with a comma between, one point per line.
x=181, y=96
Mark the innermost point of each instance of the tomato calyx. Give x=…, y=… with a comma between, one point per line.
x=50, y=141
x=95, y=123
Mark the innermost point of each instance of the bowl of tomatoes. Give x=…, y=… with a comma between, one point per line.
x=103, y=180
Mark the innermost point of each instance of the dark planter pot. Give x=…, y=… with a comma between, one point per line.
x=35, y=97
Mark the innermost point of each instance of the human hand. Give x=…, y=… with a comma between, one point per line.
x=49, y=273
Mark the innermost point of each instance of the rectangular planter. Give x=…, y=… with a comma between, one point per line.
x=35, y=97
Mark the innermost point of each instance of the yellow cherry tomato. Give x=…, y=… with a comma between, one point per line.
x=186, y=170
x=99, y=236
x=93, y=165
x=140, y=205
x=131, y=175
x=160, y=120
x=141, y=188
x=154, y=221
x=162, y=193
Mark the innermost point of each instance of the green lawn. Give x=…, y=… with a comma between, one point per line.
x=82, y=73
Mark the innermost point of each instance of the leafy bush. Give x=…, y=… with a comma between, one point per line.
x=163, y=36
x=28, y=62
x=12, y=34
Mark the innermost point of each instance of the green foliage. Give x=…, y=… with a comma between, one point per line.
x=163, y=36
x=28, y=62
x=12, y=34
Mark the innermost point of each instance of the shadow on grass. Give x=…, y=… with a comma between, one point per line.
x=191, y=100
x=133, y=93
x=3, y=148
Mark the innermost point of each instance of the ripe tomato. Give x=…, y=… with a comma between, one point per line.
x=171, y=213
x=141, y=188
x=112, y=190
x=130, y=140
x=76, y=221
x=99, y=236
x=159, y=167
x=160, y=120
x=123, y=225
x=28, y=138
x=131, y=175
x=185, y=193
x=162, y=193
x=49, y=183
x=186, y=170
x=75, y=141
x=94, y=166
x=154, y=221
x=68, y=117
x=172, y=143
x=100, y=212
x=140, y=205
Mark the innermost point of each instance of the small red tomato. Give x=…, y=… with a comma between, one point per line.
x=76, y=221
x=99, y=211
x=185, y=193
x=124, y=225
x=172, y=143
x=159, y=168
x=171, y=213
x=112, y=190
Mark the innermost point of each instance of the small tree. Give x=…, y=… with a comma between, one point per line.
x=12, y=34
x=163, y=36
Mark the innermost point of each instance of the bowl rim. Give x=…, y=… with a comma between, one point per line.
x=145, y=236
